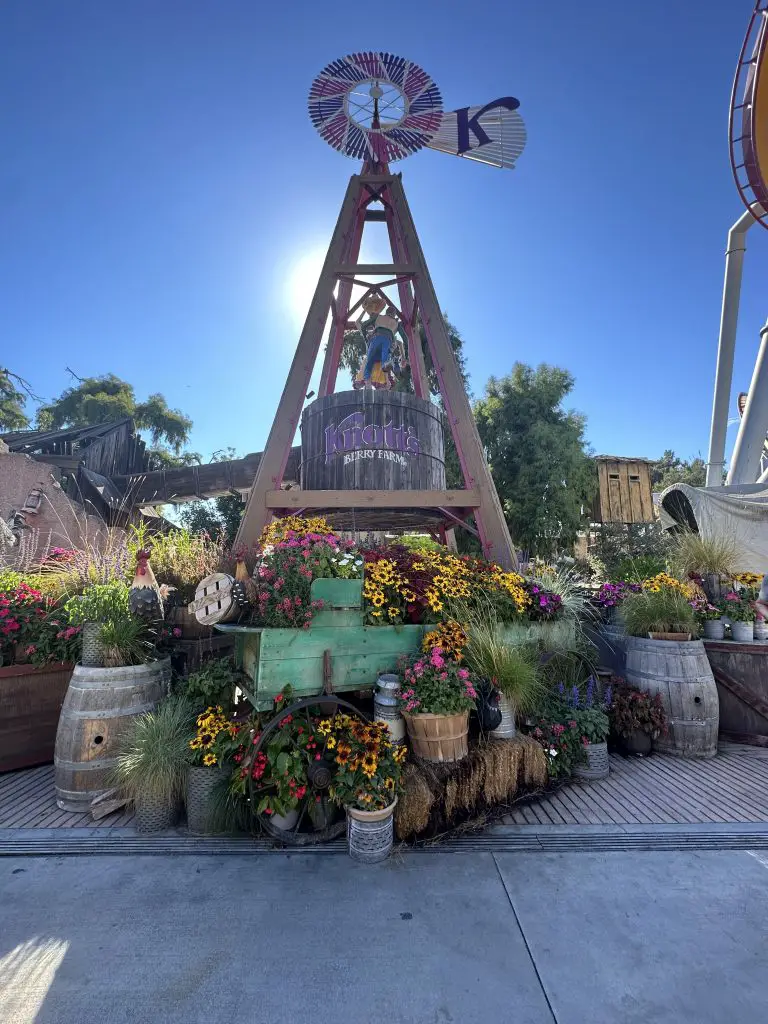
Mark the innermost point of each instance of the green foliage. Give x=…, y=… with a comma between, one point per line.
x=643, y=567
x=556, y=730
x=693, y=553
x=12, y=401
x=618, y=544
x=95, y=400
x=102, y=602
x=670, y=469
x=154, y=754
x=212, y=685
x=658, y=611
x=417, y=542
x=215, y=516
x=592, y=723
x=514, y=670
x=180, y=558
x=537, y=454
x=632, y=710
x=125, y=641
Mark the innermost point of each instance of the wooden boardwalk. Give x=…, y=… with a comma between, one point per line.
x=28, y=800
x=732, y=788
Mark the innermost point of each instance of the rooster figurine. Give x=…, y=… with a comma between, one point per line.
x=144, y=597
x=243, y=589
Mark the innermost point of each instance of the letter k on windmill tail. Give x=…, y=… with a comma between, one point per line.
x=379, y=108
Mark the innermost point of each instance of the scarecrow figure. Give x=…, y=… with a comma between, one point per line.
x=385, y=353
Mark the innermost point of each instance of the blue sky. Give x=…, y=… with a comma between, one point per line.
x=165, y=201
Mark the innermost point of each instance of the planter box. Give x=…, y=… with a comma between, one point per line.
x=30, y=701
x=272, y=658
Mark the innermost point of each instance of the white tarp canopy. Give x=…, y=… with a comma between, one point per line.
x=740, y=512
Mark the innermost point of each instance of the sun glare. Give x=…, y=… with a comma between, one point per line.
x=301, y=281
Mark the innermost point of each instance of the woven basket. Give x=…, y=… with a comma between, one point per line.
x=155, y=815
x=201, y=781
x=370, y=834
x=438, y=737
x=93, y=655
x=597, y=766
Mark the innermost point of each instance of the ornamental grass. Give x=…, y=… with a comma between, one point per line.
x=154, y=754
x=663, y=610
x=694, y=554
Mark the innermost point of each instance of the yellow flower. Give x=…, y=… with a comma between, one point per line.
x=209, y=759
x=378, y=600
x=369, y=765
x=195, y=743
x=400, y=754
x=324, y=727
x=394, y=613
x=389, y=783
x=377, y=613
x=331, y=742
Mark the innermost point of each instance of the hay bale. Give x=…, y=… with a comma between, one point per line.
x=439, y=796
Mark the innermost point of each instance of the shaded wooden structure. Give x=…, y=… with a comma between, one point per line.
x=741, y=675
x=625, y=492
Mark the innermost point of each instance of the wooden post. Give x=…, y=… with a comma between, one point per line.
x=272, y=466
x=494, y=534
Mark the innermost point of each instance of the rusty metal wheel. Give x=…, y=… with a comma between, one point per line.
x=316, y=819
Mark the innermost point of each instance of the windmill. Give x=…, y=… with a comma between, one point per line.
x=356, y=460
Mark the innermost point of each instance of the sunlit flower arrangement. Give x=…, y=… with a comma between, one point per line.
x=209, y=724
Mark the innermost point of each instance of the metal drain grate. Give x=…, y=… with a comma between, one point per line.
x=67, y=842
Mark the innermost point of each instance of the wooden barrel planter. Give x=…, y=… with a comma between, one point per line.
x=680, y=672
x=30, y=703
x=372, y=441
x=99, y=704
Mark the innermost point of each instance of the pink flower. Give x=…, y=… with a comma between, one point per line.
x=463, y=673
x=731, y=596
x=176, y=631
x=30, y=649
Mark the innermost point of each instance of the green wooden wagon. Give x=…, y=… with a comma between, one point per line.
x=337, y=654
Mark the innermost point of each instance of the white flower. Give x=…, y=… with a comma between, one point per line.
x=552, y=752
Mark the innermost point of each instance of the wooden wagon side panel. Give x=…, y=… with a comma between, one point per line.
x=295, y=657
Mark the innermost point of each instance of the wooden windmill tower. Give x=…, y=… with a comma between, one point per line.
x=380, y=108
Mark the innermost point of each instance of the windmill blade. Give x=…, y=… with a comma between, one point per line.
x=494, y=134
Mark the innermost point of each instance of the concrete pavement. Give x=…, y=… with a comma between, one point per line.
x=534, y=938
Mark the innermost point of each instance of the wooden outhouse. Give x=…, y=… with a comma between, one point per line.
x=625, y=494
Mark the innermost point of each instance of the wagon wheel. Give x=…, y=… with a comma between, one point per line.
x=309, y=712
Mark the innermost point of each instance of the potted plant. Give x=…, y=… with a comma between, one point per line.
x=555, y=729
x=98, y=604
x=660, y=614
x=124, y=640
x=636, y=718
x=740, y=609
x=590, y=713
x=366, y=784
x=152, y=761
x=202, y=776
x=511, y=669
x=436, y=698
x=709, y=618
x=610, y=597
x=712, y=559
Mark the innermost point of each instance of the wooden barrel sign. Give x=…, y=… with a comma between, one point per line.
x=99, y=704
x=681, y=673
x=372, y=440
x=214, y=601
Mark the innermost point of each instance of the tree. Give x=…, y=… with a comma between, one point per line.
x=12, y=415
x=95, y=400
x=353, y=353
x=215, y=515
x=670, y=469
x=537, y=454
